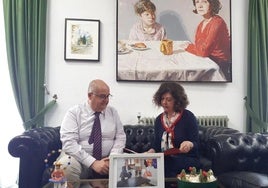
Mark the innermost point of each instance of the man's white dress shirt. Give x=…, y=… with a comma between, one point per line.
x=76, y=130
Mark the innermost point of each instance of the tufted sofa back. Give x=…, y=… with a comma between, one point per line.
x=239, y=152
x=207, y=132
x=139, y=137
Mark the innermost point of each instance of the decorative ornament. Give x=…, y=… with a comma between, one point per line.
x=194, y=177
x=58, y=177
x=57, y=174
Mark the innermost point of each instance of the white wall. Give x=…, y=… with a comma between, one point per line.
x=69, y=80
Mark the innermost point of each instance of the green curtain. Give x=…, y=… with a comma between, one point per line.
x=25, y=28
x=257, y=83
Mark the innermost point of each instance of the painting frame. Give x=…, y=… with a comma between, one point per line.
x=181, y=11
x=137, y=167
x=82, y=39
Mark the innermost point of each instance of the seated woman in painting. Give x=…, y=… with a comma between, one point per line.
x=212, y=37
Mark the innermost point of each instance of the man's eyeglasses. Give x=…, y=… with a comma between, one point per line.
x=102, y=96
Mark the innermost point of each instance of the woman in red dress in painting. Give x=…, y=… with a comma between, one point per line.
x=212, y=37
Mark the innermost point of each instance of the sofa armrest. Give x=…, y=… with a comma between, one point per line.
x=23, y=146
x=239, y=152
x=35, y=142
x=33, y=147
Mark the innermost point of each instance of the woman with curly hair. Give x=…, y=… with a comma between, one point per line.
x=212, y=37
x=175, y=127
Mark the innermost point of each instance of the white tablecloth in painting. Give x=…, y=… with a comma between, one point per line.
x=152, y=65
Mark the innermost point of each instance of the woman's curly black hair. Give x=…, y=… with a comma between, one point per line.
x=214, y=4
x=176, y=91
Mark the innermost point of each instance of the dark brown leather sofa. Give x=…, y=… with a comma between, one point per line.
x=236, y=158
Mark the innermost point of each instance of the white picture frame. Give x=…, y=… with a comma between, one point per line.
x=137, y=170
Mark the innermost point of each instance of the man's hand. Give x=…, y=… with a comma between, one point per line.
x=101, y=166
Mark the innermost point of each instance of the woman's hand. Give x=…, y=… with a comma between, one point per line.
x=184, y=45
x=150, y=151
x=186, y=146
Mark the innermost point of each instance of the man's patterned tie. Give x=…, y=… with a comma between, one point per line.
x=96, y=137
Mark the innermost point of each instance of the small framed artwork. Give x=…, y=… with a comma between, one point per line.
x=137, y=170
x=82, y=39
x=174, y=40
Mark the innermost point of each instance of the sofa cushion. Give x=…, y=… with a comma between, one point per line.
x=243, y=179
